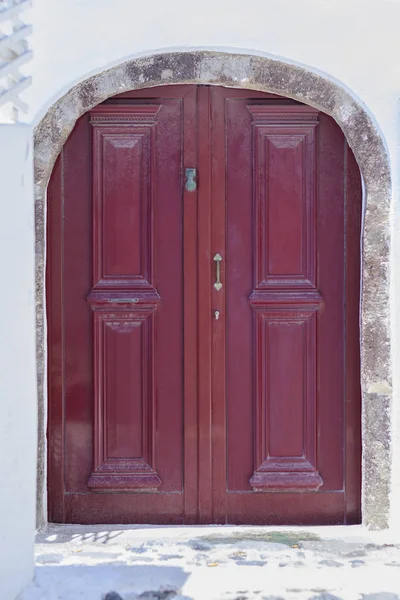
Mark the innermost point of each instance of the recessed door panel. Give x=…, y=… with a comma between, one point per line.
x=284, y=187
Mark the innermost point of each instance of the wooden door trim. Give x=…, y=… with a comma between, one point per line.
x=190, y=304
x=352, y=256
x=204, y=307
x=55, y=320
x=218, y=242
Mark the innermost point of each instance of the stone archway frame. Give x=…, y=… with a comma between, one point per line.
x=270, y=75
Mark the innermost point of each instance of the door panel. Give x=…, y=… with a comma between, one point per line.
x=284, y=180
x=174, y=400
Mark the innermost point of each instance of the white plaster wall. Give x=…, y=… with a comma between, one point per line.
x=356, y=43
x=18, y=406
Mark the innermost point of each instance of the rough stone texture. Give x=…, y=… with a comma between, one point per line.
x=265, y=74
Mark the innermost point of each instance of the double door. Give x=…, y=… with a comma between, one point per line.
x=202, y=301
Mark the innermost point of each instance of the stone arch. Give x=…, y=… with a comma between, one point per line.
x=270, y=75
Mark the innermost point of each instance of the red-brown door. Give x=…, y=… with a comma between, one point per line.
x=286, y=220
x=203, y=332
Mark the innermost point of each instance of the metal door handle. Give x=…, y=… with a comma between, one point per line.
x=217, y=260
x=216, y=315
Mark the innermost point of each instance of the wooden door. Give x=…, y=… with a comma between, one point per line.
x=122, y=290
x=286, y=220
x=175, y=400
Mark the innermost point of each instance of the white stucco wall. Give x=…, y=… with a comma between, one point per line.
x=356, y=43
x=18, y=407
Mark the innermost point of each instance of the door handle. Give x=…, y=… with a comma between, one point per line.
x=217, y=260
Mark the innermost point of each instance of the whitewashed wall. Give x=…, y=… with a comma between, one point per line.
x=354, y=42
x=18, y=398
x=18, y=407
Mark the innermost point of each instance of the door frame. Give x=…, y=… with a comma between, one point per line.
x=264, y=74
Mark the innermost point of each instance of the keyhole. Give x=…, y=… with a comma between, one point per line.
x=216, y=315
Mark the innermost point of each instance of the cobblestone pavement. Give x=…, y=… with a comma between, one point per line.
x=214, y=563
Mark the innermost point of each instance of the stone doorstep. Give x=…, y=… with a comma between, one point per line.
x=120, y=534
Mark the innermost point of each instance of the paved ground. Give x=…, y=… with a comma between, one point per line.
x=214, y=563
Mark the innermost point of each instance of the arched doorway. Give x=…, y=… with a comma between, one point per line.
x=319, y=90
x=203, y=294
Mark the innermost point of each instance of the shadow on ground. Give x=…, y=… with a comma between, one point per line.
x=70, y=582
